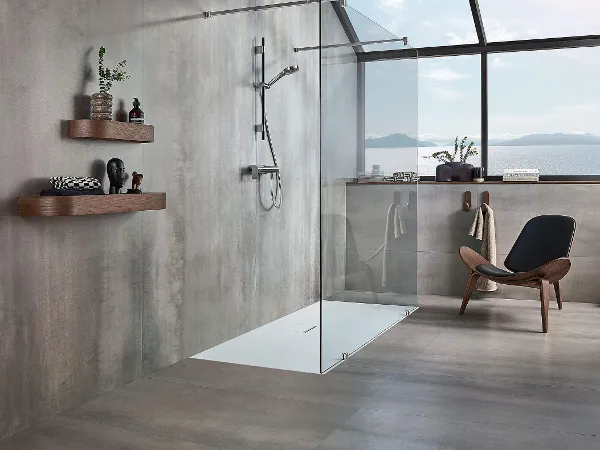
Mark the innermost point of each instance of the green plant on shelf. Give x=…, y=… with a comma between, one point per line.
x=461, y=150
x=106, y=76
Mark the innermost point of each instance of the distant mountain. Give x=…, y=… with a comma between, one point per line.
x=396, y=141
x=476, y=142
x=553, y=139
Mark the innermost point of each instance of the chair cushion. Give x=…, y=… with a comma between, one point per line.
x=543, y=239
x=493, y=271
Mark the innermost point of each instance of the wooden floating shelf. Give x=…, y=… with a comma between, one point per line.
x=108, y=130
x=83, y=205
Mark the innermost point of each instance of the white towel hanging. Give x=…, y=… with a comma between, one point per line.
x=484, y=229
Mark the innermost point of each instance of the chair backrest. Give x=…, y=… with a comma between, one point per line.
x=543, y=239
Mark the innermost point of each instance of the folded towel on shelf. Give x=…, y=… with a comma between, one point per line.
x=77, y=183
x=70, y=192
x=484, y=229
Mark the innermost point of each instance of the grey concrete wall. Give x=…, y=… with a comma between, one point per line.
x=443, y=229
x=91, y=303
x=219, y=264
x=70, y=298
x=513, y=206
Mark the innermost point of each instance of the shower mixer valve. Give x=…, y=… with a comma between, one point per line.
x=257, y=171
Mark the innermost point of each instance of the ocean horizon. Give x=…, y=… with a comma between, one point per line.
x=550, y=160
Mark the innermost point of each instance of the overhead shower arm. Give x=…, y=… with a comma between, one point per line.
x=225, y=12
x=352, y=44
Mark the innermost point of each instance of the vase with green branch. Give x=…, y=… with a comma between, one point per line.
x=454, y=165
x=102, y=102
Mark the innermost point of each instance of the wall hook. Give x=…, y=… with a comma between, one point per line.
x=467, y=202
x=486, y=198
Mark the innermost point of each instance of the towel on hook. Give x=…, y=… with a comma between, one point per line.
x=395, y=228
x=484, y=229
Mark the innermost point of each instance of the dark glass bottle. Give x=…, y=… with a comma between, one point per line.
x=136, y=115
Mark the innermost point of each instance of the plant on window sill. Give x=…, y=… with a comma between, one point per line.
x=452, y=169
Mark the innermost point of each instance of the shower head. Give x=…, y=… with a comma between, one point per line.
x=285, y=72
x=290, y=70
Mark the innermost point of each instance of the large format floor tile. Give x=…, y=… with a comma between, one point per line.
x=221, y=418
x=63, y=433
x=376, y=430
x=486, y=380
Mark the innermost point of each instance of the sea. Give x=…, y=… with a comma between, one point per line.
x=550, y=160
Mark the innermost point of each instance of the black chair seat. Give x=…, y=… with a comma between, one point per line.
x=492, y=271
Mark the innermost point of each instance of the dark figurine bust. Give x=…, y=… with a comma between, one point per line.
x=116, y=175
x=136, y=183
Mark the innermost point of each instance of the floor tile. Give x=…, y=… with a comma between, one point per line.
x=375, y=430
x=63, y=433
x=219, y=418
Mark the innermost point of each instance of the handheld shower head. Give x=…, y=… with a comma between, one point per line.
x=290, y=70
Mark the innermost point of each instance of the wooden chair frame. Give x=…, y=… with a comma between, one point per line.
x=540, y=278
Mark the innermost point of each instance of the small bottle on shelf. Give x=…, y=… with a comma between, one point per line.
x=136, y=115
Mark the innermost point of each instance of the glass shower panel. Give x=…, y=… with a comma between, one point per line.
x=369, y=129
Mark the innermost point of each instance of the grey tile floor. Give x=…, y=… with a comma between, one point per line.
x=488, y=380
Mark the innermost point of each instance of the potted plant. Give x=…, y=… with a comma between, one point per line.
x=452, y=169
x=102, y=102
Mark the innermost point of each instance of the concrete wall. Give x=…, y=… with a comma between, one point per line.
x=90, y=303
x=443, y=229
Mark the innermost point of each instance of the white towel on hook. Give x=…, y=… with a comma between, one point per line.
x=399, y=225
x=484, y=229
x=395, y=228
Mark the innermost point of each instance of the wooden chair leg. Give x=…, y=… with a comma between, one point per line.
x=545, y=303
x=558, y=297
x=471, y=283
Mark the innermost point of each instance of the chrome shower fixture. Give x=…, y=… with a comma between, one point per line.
x=285, y=72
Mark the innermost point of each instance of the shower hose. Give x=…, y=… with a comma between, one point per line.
x=276, y=188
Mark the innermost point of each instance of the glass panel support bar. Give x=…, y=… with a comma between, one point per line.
x=225, y=12
x=484, y=114
x=352, y=44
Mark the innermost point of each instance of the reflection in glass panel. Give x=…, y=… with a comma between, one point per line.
x=544, y=112
x=426, y=22
x=391, y=127
x=449, y=106
x=368, y=231
x=510, y=20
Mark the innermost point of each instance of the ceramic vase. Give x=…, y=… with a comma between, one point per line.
x=454, y=171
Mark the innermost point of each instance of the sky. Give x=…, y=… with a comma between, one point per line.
x=529, y=92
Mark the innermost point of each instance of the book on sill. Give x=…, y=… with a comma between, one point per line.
x=521, y=180
x=530, y=175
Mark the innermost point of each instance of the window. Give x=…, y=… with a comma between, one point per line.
x=544, y=111
x=510, y=20
x=367, y=30
x=391, y=115
x=449, y=106
x=425, y=22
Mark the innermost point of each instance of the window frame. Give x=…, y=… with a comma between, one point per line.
x=482, y=48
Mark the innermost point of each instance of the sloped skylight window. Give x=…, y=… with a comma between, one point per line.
x=510, y=20
x=367, y=31
x=426, y=23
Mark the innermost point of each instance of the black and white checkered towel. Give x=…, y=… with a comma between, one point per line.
x=77, y=183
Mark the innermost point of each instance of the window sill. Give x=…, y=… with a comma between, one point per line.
x=446, y=183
